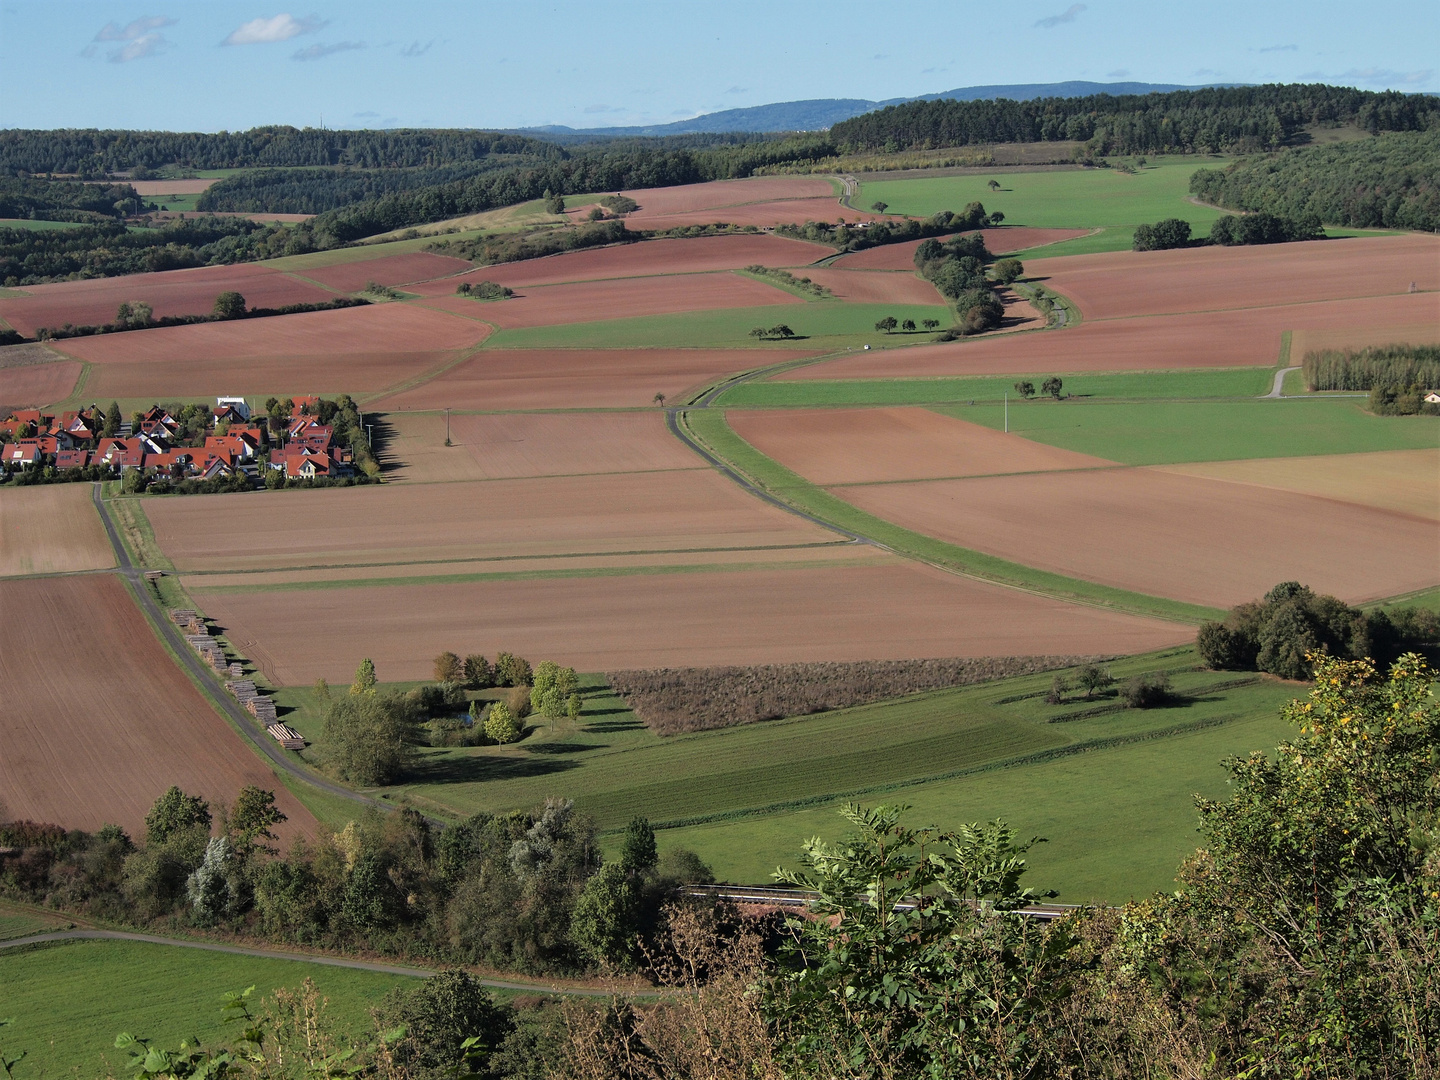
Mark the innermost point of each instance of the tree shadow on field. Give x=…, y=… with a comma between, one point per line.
x=564, y=748
x=458, y=769
x=381, y=433
x=606, y=727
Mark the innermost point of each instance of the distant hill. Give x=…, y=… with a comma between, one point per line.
x=817, y=114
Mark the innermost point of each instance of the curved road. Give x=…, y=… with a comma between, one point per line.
x=1277, y=391
x=207, y=678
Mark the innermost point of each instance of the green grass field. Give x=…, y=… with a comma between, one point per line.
x=1172, y=384
x=823, y=327
x=1067, y=198
x=1160, y=433
x=69, y=1001
x=36, y=226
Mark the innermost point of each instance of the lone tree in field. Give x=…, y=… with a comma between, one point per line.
x=659, y=400
x=879, y=207
x=930, y=324
x=1093, y=678
x=1052, y=386
x=781, y=331
x=908, y=325
x=448, y=668
x=229, y=305
x=554, y=204
x=364, y=678
x=888, y=324
x=1025, y=388
x=759, y=332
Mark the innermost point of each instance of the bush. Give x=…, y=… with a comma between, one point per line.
x=1169, y=233
x=438, y=1016
x=1008, y=270
x=1146, y=691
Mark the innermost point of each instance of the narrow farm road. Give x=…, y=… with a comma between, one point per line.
x=308, y=958
x=1276, y=390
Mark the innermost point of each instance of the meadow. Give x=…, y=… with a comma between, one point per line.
x=69, y=1000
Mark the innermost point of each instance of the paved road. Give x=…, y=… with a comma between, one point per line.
x=207, y=678
x=1276, y=391
x=308, y=958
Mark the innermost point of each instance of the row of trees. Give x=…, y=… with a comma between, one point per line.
x=1291, y=627
x=1375, y=365
x=1242, y=118
x=1388, y=182
x=1229, y=231
x=1054, y=387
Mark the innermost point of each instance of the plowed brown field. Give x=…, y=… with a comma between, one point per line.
x=1244, y=338
x=399, y=328
x=51, y=529
x=399, y=523
x=672, y=200
x=1359, y=337
x=387, y=270
x=858, y=446
x=506, y=445
x=34, y=385
x=1190, y=539
x=1119, y=284
x=575, y=378
x=173, y=292
x=644, y=259
x=761, y=214
x=875, y=286
x=99, y=721
x=149, y=188
x=897, y=611
x=998, y=241
x=548, y=305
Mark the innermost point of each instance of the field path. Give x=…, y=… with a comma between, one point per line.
x=1276, y=391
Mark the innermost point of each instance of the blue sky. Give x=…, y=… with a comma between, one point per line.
x=207, y=66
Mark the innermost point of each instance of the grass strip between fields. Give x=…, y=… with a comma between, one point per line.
x=709, y=427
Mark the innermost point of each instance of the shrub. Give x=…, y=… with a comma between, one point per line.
x=1169, y=233
x=1146, y=691
x=1008, y=270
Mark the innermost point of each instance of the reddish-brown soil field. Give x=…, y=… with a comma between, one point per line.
x=576, y=378
x=506, y=445
x=1118, y=284
x=173, y=292
x=388, y=270
x=703, y=618
x=859, y=446
x=1245, y=338
x=591, y=301
x=52, y=529
x=1191, y=539
x=645, y=259
x=717, y=193
x=661, y=511
x=875, y=286
x=1359, y=337
x=999, y=241
x=761, y=214
x=149, y=188
x=35, y=385
x=400, y=328
x=99, y=721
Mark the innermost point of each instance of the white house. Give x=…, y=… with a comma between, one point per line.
x=236, y=403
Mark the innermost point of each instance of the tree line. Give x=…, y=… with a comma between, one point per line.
x=1384, y=365
x=1386, y=182
x=1231, y=119
x=55, y=200
x=1229, y=230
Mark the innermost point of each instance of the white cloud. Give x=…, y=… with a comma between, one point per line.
x=603, y=109
x=1118, y=73
x=277, y=28
x=141, y=38
x=1066, y=16
x=145, y=45
x=319, y=52
x=141, y=27
x=1377, y=76
x=1281, y=48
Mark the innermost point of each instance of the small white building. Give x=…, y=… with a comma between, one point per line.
x=1432, y=398
x=236, y=403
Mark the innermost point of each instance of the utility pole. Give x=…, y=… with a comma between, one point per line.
x=1007, y=412
x=447, y=427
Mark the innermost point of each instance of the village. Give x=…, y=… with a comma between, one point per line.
x=294, y=440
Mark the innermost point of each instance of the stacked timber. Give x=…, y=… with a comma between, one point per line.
x=189, y=620
x=286, y=736
x=209, y=651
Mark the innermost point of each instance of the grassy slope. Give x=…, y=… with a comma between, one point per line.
x=1204, y=383
x=820, y=326
x=70, y=1001
x=1070, y=198
x=1157, y=432
x=709, y=426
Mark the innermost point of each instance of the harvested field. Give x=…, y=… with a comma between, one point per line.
x=646, y=258
x=1121, y=284
x=858, y=446
x=900, y=611
x=1191, y=539
x=509, y=445
x=577, y=378
x=1360, y=337
x=171, y=292
x=876, y=286
x=349, y=277
x=675, y=700
x=1245, y=338
x=99, y=721
x=51, y=529
x=717, y=193
x=664, y=511
x=1405, y=481
x=36, y=385
x=148, y=188
x=379, y=328
x=760, y=214
x=549, y=305
x=999, y=241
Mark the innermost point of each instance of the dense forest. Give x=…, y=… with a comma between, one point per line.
x=1390, y=181
x=313, y=191
x=1235, y=119
x=51, y=201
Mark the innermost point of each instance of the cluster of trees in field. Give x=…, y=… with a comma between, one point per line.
x=54, y=200
x=1390, y=181
x=785, y=277
x=536, y=244
x=1146, y=690
x=1231, y=119
x=851, y=238
x=1375, y=365
x=957, y=269
x=1229, y=231
x=1286, y=631
x=1053, y=387
x=1300, y=940
x=229, y=305
x=484, y=290
x=36, y=256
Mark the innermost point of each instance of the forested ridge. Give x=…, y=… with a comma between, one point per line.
x=1244, y=119
x=1391, y=181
